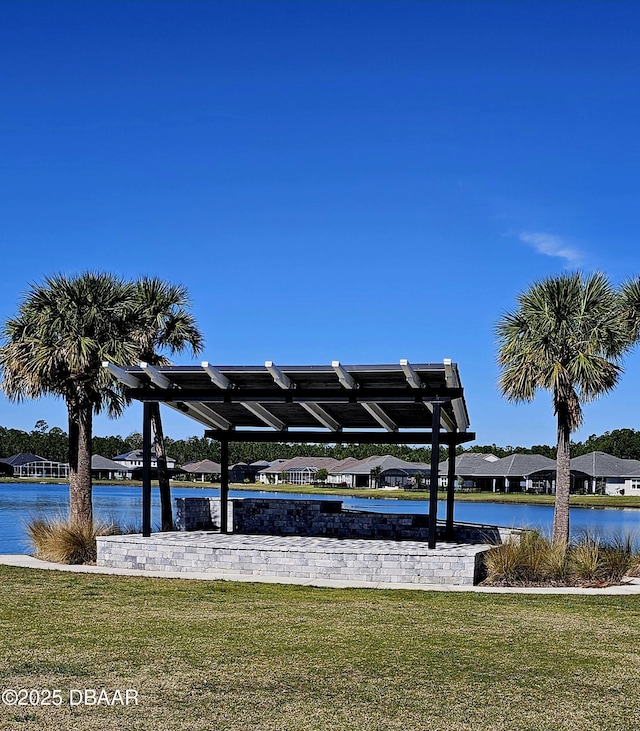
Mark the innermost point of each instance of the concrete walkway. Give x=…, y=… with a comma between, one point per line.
x=630, y=587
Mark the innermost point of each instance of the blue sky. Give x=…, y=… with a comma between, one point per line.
x=358, y=181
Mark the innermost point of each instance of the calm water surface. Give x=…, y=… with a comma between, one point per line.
x=124, y=505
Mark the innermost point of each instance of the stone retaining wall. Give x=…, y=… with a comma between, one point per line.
x=223, y=556
x=273, y=516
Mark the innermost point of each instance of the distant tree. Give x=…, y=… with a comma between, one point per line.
x=566, y=336
x=375, y=475
x=322, y=474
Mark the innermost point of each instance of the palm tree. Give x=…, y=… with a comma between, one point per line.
x=566, y=337
x=631, y=308
x=163, y=323
x=55, y=345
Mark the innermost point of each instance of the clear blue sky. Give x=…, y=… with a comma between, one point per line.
x=360, y=181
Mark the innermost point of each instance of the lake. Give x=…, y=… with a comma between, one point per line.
x=123, y=504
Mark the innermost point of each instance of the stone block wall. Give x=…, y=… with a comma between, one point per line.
x=226, y=556
x=282, y=517
x=197, y=513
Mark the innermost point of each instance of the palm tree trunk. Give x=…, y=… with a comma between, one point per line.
x=563, y=478
x=80, y=489
x=166, y=511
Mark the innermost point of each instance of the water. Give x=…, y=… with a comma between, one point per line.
x=123, y=504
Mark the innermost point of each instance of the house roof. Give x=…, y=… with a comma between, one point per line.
x=300, y=463
x=334, y=403
x=468, y=462
x=135, y=455
x=202, y=467
x=601, y=464
x=98, y=462
x=23, y=458
x=344, y=466
x=515, y=465
x=385, y=462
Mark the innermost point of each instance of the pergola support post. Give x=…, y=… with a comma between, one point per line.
x=451, y=480
x=146, y=469
x=224, y=485
x=433, y=482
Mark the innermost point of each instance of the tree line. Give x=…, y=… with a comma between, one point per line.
x=53, y=443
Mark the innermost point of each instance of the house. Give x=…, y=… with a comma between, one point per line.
x=106, y=469
x=132, y=460
x=295, y=471
x=596, y=472
x=26, y=464
x=515, y=473
x=379, y=471
x=202, y=468
x=599, y=472
x=466, y=464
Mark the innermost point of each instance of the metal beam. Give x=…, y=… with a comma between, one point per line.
x=224, y=485
x=298, y=395
x=211, y=417
x=216, y=377
x=451, y=479
x=413, y=379
x=157, y=378
x=321, y=415
x=379, y=415
x=453, y=381
x=308, y=436
x=433, y=480
x=345, y=378
x=446, y=421
x=146, y=470
x=278, y=376
x=264, y=414
x=127, y=379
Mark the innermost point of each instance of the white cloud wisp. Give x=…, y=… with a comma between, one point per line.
x=551, y=245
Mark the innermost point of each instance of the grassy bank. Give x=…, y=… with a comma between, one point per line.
x=583, y=501
x=514, y=498
x=267, y=657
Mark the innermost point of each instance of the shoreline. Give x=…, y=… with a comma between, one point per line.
x=598, y=502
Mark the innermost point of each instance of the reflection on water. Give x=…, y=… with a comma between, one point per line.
x=123, y=504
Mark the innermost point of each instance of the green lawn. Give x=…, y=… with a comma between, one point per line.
x=266, y=657
x=587, y=501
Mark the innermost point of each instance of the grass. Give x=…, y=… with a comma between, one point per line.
x=63, y=541
x=253, y=657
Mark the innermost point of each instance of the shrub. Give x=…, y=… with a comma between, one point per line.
x=535, y=560
x=62, y=541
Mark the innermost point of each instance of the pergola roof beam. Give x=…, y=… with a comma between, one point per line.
x=413, y=379
x=458, y=406
x=264, y=415
x=216, y=377
x=445, y=419
x=321, y=415
x=156, y=377
x=123, y=376
x=345, y=378
x=380, y=416
x=278, y=376
x=211, y=416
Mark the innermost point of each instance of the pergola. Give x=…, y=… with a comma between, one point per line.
x=331, y=404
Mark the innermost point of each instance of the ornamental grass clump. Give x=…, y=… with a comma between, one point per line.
x=64, y=541
x=534, y=560
x=531, y=559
